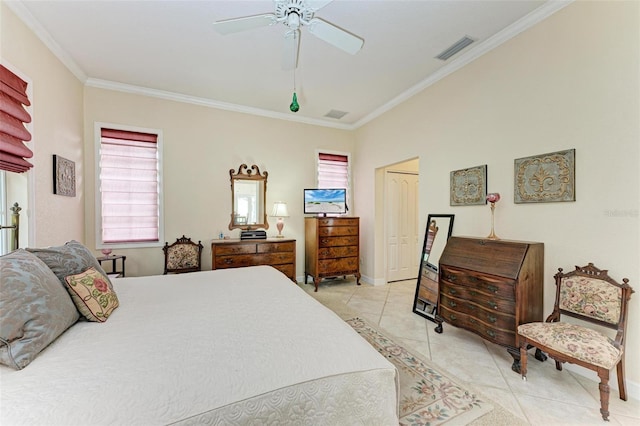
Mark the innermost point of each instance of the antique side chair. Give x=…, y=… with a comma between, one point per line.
x=182, y=256
x=590, y=295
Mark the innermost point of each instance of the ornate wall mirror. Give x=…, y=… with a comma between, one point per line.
x=439, y=227
x=248, y=198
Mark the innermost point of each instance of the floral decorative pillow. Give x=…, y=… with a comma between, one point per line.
x=92, y=294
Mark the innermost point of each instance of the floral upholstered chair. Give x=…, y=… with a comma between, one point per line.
x=182, y=256
x=588, y=294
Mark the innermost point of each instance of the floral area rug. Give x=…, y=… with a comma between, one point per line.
x=427, y=397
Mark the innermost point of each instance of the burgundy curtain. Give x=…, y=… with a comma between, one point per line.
x=13, y=116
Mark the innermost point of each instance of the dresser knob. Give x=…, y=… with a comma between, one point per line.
x=228, y=261
x=452, y=304
x=491, y=333
x=492, y=288
x=493, y=304
x=452, y=291
x=453, y=317
x=491, y=318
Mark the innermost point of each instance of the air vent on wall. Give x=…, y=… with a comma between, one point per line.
x=334, y=113
x=455, y=48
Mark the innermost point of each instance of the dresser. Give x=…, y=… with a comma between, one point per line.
x=332, y=248
x=490, y=287
x=277, y=252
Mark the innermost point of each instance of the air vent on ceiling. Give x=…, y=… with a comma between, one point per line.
x=455, y=48
x=334, y=113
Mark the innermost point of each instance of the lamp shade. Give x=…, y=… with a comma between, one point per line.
x=280, y=209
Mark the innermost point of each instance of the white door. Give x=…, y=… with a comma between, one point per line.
x=401, y=222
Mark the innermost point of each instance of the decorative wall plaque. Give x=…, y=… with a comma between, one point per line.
x=545, y=178
x=469, y=186
x=64, y=176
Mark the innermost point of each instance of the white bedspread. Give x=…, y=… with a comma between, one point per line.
x=232, y=346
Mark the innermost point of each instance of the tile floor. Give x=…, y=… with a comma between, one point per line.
x=548, y=397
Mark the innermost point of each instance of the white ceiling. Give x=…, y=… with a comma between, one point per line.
x=169, y=49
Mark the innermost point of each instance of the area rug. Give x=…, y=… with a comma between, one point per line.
x=427, y=397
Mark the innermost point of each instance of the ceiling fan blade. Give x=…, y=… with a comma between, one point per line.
x=228, y=26
x=290, y=51
x=317, y=4
x=336, y=36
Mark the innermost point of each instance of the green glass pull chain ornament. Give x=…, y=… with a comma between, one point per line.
x=294, y=107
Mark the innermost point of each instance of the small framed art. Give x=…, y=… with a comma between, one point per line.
x=64, y=176
x=469, y=186
x=545, y=178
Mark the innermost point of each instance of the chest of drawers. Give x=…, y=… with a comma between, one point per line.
x=279, y=253
x=332, y=248
x=490, y=287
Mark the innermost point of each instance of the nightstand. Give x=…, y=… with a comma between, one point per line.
x=113, y=258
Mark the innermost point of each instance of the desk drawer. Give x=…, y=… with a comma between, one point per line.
x=498, y=286
x=487, y=301
x=493, y=334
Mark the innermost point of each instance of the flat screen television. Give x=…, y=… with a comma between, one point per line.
x=325, y=201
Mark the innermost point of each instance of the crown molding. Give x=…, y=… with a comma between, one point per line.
x=32, y=23
x=178, y=97
x=526, y=22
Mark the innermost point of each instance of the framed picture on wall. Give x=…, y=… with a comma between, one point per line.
x=64, y=176
x=469, y=186
x=545, y=178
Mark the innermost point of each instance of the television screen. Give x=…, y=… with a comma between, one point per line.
x=325, y=201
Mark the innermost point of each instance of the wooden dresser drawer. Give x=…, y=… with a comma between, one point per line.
x=346, y=265
x=487, y=301
x=493, y=334
x=229, y=249
x=342, y=221
x=288, y=269
x=253, y=260
x=276, y=247
x=500, y=287
x=338, y=241
x=337, y=231
x=334, y=252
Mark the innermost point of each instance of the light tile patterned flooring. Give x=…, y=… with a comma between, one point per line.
x=548, y=397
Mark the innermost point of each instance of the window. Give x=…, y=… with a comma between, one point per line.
x=129, y=190
x=334, y=171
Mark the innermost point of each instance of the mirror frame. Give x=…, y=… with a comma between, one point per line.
x=250, y=174
x=428, y=270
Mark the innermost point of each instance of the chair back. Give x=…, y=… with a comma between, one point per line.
x=590, y=294
x=182, y=256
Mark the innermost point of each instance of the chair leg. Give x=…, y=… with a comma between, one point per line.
x=604, y=393
x=621, y=383
x=523, y=360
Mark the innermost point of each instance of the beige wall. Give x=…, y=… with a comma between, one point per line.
x=57, y=129
x=571, y=81
x=201, y=145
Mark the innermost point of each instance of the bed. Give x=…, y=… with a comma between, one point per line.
x=230, y=346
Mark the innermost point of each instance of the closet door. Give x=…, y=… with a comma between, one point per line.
x=401, y=222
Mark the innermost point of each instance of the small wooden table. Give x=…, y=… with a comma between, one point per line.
x=115, y=273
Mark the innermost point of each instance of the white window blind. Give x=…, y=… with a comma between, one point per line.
x=333, y=171
x=129, y=186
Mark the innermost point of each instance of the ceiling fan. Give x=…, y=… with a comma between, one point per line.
x=295, y=14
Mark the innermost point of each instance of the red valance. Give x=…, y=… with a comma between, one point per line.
x=13, y=116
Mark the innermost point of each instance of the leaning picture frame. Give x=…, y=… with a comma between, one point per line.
x=64, y=176
x=468, y=186
x=545, y=178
